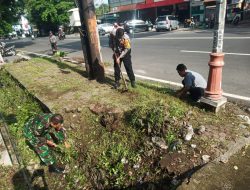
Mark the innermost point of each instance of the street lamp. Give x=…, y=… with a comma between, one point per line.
x=213, y=92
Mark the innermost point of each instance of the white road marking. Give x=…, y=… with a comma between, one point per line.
x=42, y=55
x=206, y=52
x=141, y=71
x=180, y=85
x=193, y=38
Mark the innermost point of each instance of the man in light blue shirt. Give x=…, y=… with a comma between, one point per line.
x=193, y=83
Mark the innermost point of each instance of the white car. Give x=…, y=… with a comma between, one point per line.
x=166, y=22
x=107, y=27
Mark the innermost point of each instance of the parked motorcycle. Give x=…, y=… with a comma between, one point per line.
x=189, y=23
x=7, y=51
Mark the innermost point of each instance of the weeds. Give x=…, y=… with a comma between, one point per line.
x=176, y=109
x=16, y=107
x=146, y=115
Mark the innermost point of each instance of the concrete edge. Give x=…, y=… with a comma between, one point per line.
x=240, y=100
x=5, y=159
x=233, y=148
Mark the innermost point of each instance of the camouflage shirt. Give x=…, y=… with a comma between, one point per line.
x=38, y=130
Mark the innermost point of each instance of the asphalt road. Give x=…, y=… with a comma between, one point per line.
x=156, y=54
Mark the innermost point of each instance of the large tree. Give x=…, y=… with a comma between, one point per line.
x=101, y=9
x=10, y=11
x=48, y=14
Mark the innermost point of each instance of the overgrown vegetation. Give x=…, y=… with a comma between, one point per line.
x=125, y=153
x=9, y=14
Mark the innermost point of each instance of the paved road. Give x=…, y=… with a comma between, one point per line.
x=157, y=54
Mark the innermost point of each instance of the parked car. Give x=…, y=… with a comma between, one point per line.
x=101, y=31
x=107, y=27
x=131, y=26
x=166, y=22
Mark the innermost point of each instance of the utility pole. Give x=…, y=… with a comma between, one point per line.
x=213, y=92
x=90, y=40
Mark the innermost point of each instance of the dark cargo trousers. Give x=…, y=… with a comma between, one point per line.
x=128, y=66
x=44, y=151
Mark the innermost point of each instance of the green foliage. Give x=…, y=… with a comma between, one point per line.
x=9, y=13
x=50, y=12
x=170, y=137
x=146, y=114
x=117, y=155
x=16, y=107
x=103, y=8
x=176, y=109
x=76, y=179
x=67, y=155
x=60, y=53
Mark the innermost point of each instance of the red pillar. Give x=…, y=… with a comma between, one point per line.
x=213, y=90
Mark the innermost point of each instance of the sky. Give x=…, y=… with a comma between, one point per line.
x=101, y=1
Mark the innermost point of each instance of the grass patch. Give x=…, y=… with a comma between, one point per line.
x=105, y=157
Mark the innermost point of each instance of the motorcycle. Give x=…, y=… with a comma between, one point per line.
x=7, y=51
x=61, y=36
x=189, y=23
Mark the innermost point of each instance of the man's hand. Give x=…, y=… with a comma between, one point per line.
x=178, y=94
x=51, y=143
x=67, y=145
x=182, y=92
x=118, y=60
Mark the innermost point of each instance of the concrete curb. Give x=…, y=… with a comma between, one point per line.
x=4, y=154
x=199, y=177
x=235, y=99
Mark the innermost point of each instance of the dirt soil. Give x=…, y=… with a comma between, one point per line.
x=96, y=116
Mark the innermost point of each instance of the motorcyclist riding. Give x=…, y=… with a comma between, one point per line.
x=61, y=34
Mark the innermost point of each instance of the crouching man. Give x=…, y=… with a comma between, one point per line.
x=193, y=83
x=43, y=132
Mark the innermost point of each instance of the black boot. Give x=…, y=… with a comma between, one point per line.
x=133, y=84
x=55, y=169
x=116, y=85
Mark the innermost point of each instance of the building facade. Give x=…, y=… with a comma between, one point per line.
x=149, y=9
x=183, y=9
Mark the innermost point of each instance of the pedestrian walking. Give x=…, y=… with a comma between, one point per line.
x=43, y=133
x=193, y=83
x=122, y=53
x=53, y=42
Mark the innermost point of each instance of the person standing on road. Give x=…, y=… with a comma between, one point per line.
x=112, y=39
x=43, y=132
x=122, y=53
x=53, y=42
x=193, y=83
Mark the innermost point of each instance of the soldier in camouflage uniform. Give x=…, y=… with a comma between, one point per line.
x=44, y=132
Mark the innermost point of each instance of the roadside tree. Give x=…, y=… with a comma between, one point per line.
x=10, y=11
x=48, y=15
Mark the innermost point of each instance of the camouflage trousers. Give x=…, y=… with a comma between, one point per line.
x=45, y=152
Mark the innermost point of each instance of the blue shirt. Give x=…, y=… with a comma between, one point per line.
x=193, y=79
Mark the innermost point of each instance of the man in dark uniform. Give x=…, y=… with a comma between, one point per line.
x=122, y=53
x=43, y=132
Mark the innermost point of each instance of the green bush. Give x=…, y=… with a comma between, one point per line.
x=149, y=114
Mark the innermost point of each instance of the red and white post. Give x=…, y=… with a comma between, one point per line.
x=213, y=92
